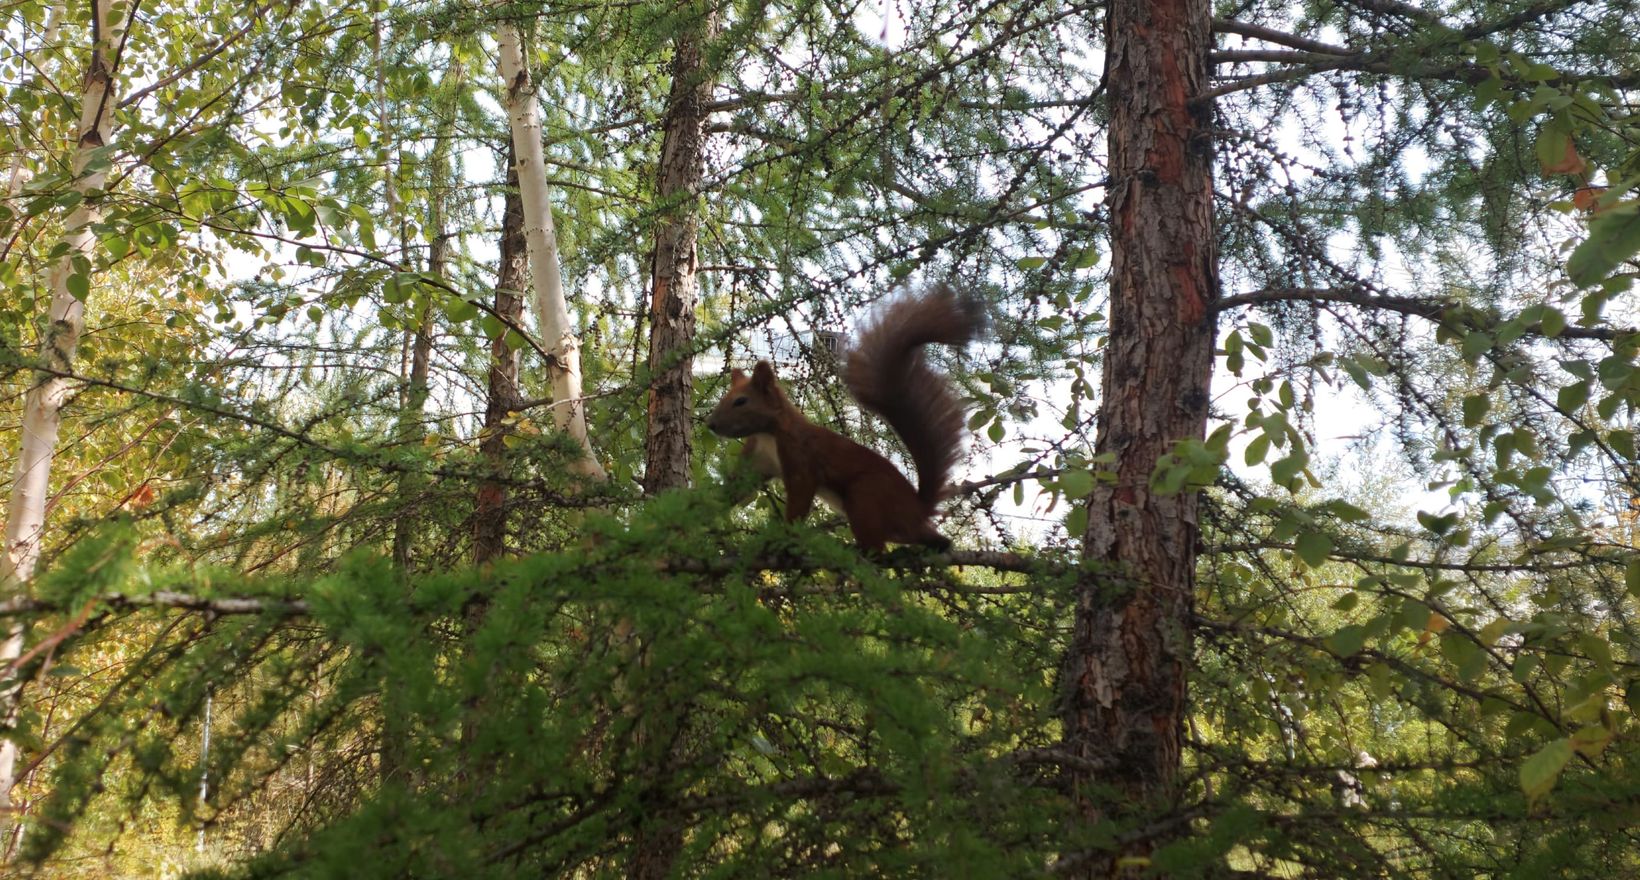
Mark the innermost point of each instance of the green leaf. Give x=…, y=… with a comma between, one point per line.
x=1539, y=772
x=1076, y=484
x=1076, y=522
x=458, y=310
x=1554, y=144
x=1553, y=322
x=1031, y=262
x=1358, y=373
x=1413, y=615
x=1257, y=449
x=1440, y=525
x=1475, y=408
x=1622, y=443
x=1285, y=470
x=1218, y=442
x=1346, y=511
x=1313, y=548
x=79, y=286
x=1488, y=91
x=1614, y=236
x=1572, y=397
x=1348, y=641
x=1475, y=343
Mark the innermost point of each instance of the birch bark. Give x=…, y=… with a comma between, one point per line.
x=42, y=406
x=546, y=282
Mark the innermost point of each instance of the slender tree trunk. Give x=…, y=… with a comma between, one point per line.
x=1125, y=671
x=502, y=399
x=42, y=406
x=674, y=280
x=410, y=427
x=204, y=766
x=547, y=284
x=413, y=404
x=395, y=735
x=490, y=516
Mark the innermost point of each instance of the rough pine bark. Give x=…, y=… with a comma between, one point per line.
x=502, y=397
x=674, y=278
x=669, y=442
x=42, y=405
x=1125, y=672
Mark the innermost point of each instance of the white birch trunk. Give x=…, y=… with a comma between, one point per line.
x=558, y=336
x=42, y=406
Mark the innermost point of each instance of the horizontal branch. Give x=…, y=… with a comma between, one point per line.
x=1006, y=479
x=1274, y=56
x=1280, y=38
x=900, y=560
x=1313, y=57
x=1427, y=564
x=908, y=560
x=1422, y=307
x=24, y=606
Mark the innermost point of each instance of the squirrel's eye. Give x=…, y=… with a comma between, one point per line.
x=740, y=401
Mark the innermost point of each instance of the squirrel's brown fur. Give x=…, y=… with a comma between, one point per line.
x=888, y=375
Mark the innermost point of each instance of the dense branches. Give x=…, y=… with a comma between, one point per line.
x=1341, y=583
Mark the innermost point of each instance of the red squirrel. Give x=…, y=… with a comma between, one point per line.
x=887, y=373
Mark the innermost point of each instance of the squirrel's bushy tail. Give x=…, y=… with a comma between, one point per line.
x=888, y=374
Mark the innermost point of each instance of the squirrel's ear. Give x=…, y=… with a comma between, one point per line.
x=763, y=375
x=737, y=376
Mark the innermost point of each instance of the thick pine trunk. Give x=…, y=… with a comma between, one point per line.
x=547, y=283
x=674, y=278
x=1125, y=672
x=490, y=515
x=42, y=406
x=674, y=291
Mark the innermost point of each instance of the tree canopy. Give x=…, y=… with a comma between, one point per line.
x=1296, y=537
